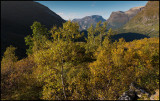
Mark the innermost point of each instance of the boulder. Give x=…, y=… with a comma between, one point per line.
x=134, y=93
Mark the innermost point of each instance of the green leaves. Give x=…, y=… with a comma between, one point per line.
x=29, y=42
x=38, y=37
x=38, y=29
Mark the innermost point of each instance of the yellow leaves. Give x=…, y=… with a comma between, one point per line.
x=131, y=62
x=52, y=31
x=48, y=94
x=100, y=96
x=9, y=57
x=115, y=66
x=69, y=32
x=92, y=68
x=140, y=52
x=117, y=56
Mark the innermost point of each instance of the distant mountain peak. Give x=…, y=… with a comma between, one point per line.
x=86, y=22
x=94, y=16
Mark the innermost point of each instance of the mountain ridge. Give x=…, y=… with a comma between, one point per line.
x=146, y=21
x=16, y=19
x=86, y=21
x=119, y=18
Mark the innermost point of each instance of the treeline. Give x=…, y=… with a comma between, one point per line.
x=59, y=67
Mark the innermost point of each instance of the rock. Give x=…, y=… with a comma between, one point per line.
x=139, y=91
x=155, y=96
x=128, y=95
x=133, y=93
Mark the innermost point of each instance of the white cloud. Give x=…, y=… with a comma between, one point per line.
x=73, y=15
x=69, y=16
x=60, y=13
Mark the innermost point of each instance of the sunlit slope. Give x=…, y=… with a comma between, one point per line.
x=146, y=21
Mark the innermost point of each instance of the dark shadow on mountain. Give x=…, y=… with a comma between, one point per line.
x=129, y=36
x=16, y=19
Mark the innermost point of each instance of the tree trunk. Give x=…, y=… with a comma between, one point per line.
x=100, y=39
x=63, y=80
x=93, y=39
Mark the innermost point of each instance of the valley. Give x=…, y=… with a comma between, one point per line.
x=44, y=57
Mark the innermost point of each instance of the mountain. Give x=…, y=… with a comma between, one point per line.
x=119, y=18
x=146, y=21
x=86, y=22
x=16, y=19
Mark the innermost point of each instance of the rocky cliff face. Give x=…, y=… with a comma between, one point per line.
x=16, y=19
x=146, y=21
x=119, y=18
x=133, y=11
x=86, y=22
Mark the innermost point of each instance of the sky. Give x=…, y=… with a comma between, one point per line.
x=70, y=10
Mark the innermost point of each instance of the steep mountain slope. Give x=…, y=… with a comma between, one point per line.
x=86, y=22
x=119, y=18
x=146, y=21
x=16, y=19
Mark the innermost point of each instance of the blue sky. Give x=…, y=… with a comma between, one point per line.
x=79, y=9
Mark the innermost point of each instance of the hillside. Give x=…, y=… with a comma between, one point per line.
x=62, y=69
x=68, y=62
x=16, y=19
x=86, y=22
x=119, y=18
x=146, y=21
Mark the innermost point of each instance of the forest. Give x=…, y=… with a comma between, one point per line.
x=60, y=66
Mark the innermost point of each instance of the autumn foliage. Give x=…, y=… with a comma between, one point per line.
x=58, y=67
